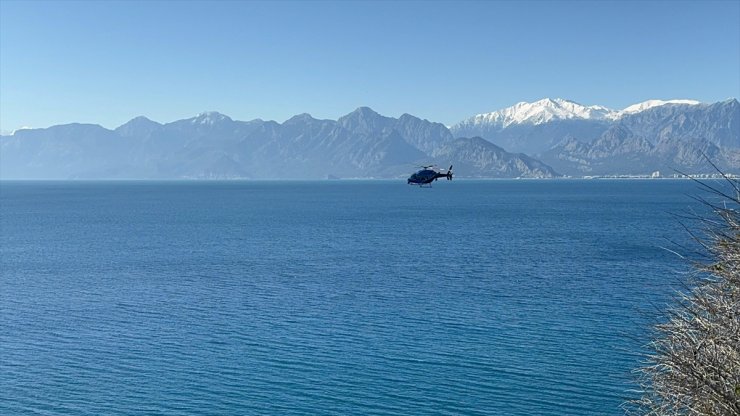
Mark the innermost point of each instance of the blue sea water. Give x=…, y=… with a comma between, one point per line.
x=331, y=298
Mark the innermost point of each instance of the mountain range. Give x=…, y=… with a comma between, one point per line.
x=675, y=135
x=562, y=137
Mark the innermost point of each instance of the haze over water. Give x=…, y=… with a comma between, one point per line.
x=335, y=297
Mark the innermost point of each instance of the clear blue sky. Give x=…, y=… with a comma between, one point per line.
x=106, y=62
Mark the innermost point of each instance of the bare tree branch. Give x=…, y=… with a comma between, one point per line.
x=694, y=364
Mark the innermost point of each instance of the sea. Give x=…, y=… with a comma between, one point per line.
x=346, y=297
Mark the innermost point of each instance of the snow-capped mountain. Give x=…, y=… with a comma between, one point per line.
x=548, y=110
x=538, y=112
x=535, y=127
x=665, y=138
x=210, y=118
x=571, y=138
x=640, y=107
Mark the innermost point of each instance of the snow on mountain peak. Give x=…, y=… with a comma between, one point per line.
x=210, y=118
x=542, y=111
x=639, y=107
x=12, y=132
x=553, y=109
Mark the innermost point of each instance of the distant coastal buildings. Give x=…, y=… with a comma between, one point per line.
x=657, y=175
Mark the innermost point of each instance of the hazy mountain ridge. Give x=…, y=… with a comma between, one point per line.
x=718, y=123
x=642, y=138
x=619, y=151
x=570, y=139
x=477, y=157
x=362, y=143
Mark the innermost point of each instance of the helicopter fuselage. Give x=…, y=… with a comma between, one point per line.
x=427, y=176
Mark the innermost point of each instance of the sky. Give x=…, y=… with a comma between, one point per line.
x=106, y=62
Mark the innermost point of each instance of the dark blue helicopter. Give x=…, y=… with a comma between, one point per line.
x=427, y=175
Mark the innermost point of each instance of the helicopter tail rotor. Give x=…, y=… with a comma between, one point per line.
x=449, y=173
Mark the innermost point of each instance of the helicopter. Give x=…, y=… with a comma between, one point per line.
x=427, y=175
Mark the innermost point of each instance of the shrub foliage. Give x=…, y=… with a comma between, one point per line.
x=693, y=367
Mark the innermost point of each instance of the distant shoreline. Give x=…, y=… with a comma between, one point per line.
x=583, y=178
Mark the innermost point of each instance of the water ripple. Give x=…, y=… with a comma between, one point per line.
x=314, y=298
